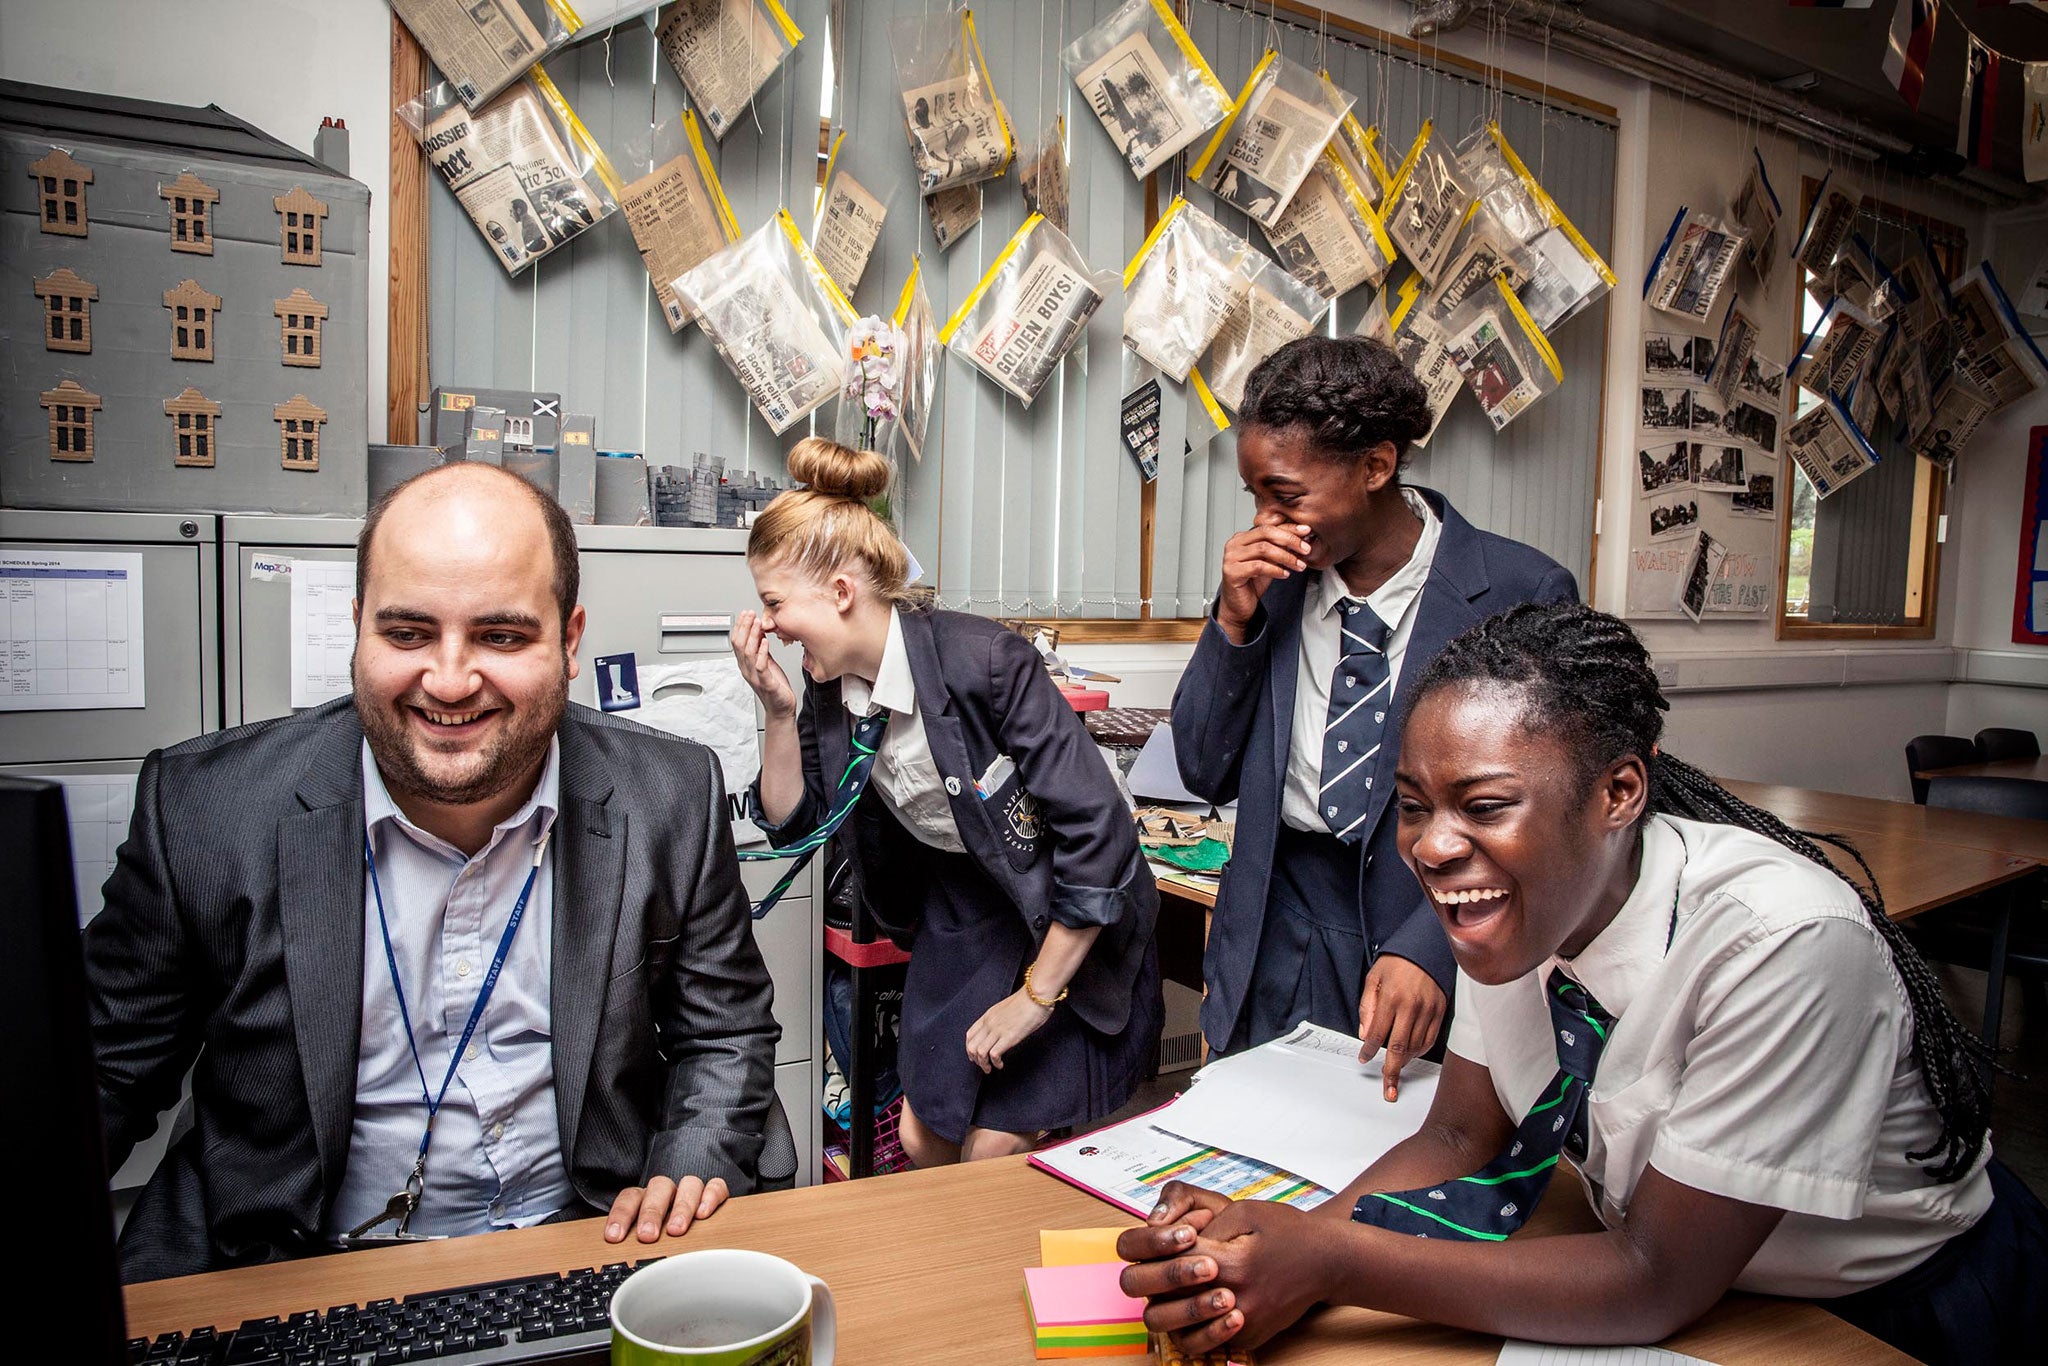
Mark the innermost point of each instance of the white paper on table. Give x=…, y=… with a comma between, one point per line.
x=1155, y=773
x=70, y=630
x=1303, y=1102
x=708, y=701
x=1551, y=1354
x=97, y=807
x=323, y=629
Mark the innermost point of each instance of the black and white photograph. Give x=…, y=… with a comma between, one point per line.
x=1747, y=422
x=1674, y=516
x=1666, y=410
x=1675, y=356
x=1760, y=499
x=1721, y=469
x=1706, y=415
x=1664, y=469
x=1762, y=382
x=1702, y=567
x=1130, y=91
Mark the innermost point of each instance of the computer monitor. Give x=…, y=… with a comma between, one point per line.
x=52, y=1151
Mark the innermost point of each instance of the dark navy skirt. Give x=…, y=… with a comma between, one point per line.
x=1982, y=1298
x=970, y=952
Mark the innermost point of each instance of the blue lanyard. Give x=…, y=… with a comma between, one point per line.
x=416, y=1183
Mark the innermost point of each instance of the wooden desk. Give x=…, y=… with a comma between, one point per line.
x=1844, y=814
x=2035, y=768
x=926, y=1267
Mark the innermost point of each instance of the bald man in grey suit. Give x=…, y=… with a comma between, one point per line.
x=324, y=911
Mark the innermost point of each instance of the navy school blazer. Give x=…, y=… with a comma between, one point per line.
x=1233, y=719
x=1055, y=837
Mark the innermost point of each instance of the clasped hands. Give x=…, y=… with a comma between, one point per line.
x=1214, y=1270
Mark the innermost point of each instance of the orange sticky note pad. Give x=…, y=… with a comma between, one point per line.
x=1077, y=1246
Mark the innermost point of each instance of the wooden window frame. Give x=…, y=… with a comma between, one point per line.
x=300, y=317
x=299, y=420
x=71, y=407
x=61, y=185
x=300, y=222
x=191, y=202
x=195, y=321
x=195, y=429
x=1930, y=482
x=61, y=287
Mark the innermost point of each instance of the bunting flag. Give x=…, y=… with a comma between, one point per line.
x=1980, y=103
x=2034, y=121
x=1905, y=56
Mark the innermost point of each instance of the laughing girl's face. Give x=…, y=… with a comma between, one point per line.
x=1520, y=856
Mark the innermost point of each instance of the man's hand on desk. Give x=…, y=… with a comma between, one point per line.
x=677, y=1203
x=1214, y=1270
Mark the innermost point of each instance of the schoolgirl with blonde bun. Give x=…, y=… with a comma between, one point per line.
x=987, y=835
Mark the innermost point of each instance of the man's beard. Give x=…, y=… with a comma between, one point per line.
x=512, y=754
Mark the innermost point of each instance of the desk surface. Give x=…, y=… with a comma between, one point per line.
x=1844, y=814
x=927, y=1267
x=2035, y=768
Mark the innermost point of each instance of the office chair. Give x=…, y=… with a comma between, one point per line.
x=1936, y=751
x=1961, y=934
x=2022, y=797
x=2006, y=742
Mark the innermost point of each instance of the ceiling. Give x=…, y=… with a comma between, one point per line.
x=1843, y=50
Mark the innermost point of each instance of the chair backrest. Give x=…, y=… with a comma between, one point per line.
x=2007, y=742
x=1936, y=751
x=2022, y=797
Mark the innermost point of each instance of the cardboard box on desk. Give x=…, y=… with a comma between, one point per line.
x=483, y=440
x=449, y=414
x=576, y=468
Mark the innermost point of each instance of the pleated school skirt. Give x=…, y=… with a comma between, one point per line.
x=1981, y=1298
x=970, y=952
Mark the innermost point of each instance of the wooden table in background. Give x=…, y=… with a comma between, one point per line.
x=1844, y=814
x=927, y=1269
x=2035, y=768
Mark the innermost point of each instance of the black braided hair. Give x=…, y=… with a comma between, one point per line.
x=1589, y=682
x=1351, y=392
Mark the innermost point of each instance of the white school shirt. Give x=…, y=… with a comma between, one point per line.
x=904, y=772
x=1394, y=603
x=1766, y=1056
x=496, y=1159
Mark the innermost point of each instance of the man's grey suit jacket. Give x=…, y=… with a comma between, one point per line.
x=233, y=936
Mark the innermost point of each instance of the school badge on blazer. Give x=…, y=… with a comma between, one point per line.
x=1015, y=813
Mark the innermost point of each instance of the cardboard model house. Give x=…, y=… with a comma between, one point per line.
x=182, y=304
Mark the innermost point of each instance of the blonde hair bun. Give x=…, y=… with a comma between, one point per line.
x=838, y=471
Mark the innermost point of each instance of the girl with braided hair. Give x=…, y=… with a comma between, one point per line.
x=1750, y=1068
x=1345, y=585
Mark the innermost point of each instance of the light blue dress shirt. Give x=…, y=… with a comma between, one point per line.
x=496, y=1159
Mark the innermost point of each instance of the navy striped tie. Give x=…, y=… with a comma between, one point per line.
x=1492, y=1203
x=867, y=738
x=1359, y=700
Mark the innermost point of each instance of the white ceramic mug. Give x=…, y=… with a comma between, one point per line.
x=722, y=1307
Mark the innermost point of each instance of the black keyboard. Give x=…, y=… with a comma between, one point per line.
x=532, y=1318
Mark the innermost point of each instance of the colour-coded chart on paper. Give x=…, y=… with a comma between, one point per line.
x=70, y=630
x=1127, y=1164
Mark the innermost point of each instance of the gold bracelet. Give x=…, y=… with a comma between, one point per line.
x=1038, y=1000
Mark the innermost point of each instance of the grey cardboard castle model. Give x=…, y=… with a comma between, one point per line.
x=182, y=303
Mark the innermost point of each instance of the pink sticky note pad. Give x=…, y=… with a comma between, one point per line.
x=1079, y=1295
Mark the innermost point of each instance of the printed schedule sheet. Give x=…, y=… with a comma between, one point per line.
x=70, y=630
